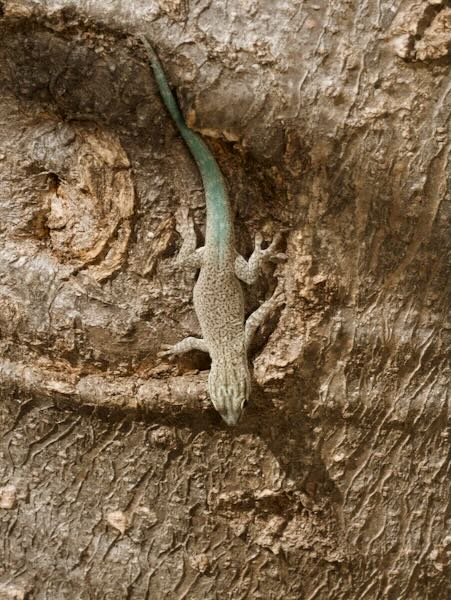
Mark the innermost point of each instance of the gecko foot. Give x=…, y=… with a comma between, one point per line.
x=166, y=351
x=186, y=345
x=270, y=253
x=185, y=223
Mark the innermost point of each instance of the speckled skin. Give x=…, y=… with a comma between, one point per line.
x=219, y=306
x=218, y=296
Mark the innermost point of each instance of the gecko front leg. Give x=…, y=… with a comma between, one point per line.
x=261, y=314
x=186, y=345
x=248, y=271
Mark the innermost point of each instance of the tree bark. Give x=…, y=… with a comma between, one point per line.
x=117, y=477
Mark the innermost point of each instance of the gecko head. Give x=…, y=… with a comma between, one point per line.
x=229, y=389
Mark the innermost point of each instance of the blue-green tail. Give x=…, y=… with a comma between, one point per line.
x=218, y=207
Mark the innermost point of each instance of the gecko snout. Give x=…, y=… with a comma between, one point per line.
x=228, y=406
x=233, y=412
x=228, y=403
x=229, y=388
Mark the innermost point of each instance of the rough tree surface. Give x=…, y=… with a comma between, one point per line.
x=117, y=477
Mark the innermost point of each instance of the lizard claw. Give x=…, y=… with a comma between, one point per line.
x=270, y=252
x=275, y=242
x=183, y=211
x=280, y=297
x=183, y=219
x=279, y=257
x=185, y=227
x=166, y=351
x=266, y=252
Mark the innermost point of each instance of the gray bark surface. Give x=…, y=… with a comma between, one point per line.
x=117, y=477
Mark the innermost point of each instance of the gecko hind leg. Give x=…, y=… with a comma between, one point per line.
x=189, y=343
x=188, y=255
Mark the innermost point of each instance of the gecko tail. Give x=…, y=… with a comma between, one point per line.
x=218, y=207
x=149, y=49
x=165, y=91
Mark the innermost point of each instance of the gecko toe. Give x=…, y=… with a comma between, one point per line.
x=258, y=239
x=166, y=351
x=279, y=257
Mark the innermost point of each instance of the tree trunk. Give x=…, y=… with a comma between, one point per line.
x=117, y=477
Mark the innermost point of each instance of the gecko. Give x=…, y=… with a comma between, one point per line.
x=217, y=295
